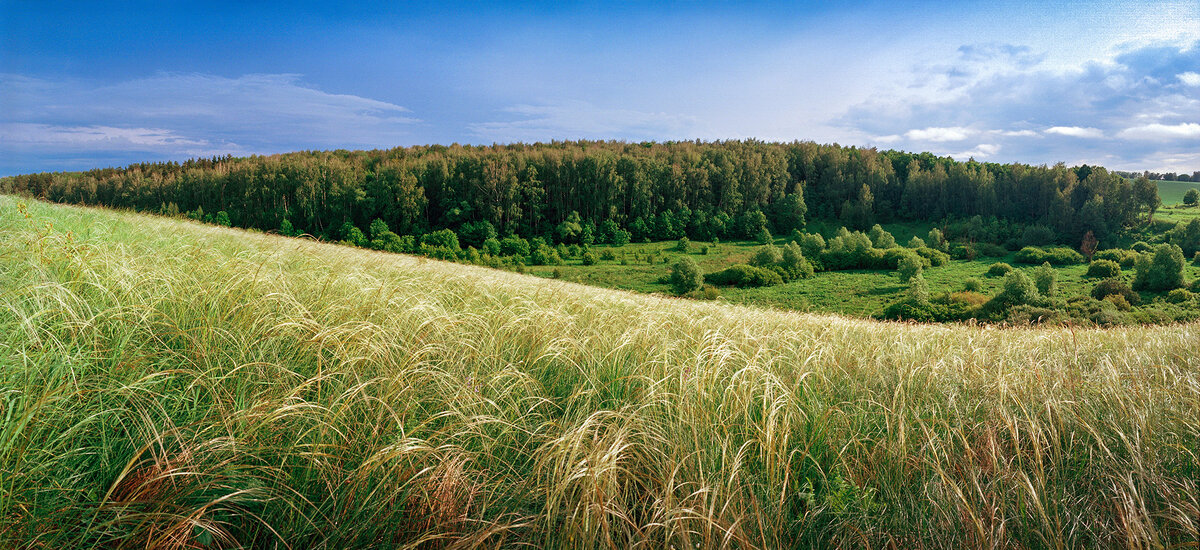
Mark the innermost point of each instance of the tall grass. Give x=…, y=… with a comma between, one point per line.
x=173, y=385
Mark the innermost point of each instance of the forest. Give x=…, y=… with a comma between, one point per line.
x=561, y=191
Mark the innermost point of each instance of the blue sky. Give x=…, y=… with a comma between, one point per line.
x=89, y=84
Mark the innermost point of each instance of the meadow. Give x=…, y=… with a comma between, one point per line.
x=170, y=384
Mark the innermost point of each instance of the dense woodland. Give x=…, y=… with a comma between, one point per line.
x=723, y=189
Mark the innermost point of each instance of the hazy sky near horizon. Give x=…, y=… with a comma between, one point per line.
x=92, y=84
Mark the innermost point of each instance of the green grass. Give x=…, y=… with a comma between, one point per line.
x=861, y=293
x=168, y=384
x=1171, y=192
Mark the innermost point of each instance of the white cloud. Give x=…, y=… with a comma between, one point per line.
x=1019, y=133
x=936, y=134
x=1186, y=130
x=983, y=150
x=1075, y=131
x=184, y=115
x=1191, y=78
x=576, y=119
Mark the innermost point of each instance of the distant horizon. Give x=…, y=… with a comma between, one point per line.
x=1111, y=83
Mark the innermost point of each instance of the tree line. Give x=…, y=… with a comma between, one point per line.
x=659, y=191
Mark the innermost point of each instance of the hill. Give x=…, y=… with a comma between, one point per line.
x=172, y=384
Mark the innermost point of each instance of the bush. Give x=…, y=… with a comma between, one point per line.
x=544, y=255
x=1115, y=287
x=991, y=250
x=1191, y=198
x=742, y=275
x=1142, y=247
x=1056, y=256
x=763, y=236
x=812, y=244
x=909, y=266
x=704, y=250
x=1195, y=286
x=1161, y=271
x=1104, y=269
x=1126, y=258
x=766, y=256
x=684, y=245
x=936, y=258
x=1018, y=290
x=1045, y=279
x=916, y=242
x=686, y=276
x=794, y=264
x=973, y=285
x=620, y=237
x=491, y=247
x=936, y=240
x=588, y=258
x=443, y=238
x=999, y=269
x=1118, y=301
x=514, y=246
x=222, y=219
x=1179, y=296
x=1196, y=259
x=962, y=251
x=608, y=255
x=881, y=238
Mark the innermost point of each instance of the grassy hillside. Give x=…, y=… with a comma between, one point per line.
x=170, y=384
x=1171, y=192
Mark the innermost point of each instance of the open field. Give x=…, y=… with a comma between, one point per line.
x=170, y=384
x=1171, y=192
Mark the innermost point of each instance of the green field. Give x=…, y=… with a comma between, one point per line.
x=168, y=384
x=861, y=293
x=1171, y=192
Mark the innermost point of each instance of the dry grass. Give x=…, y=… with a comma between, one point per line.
x=165, y=384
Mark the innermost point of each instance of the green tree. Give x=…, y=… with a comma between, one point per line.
x=1045, y=278
x=1191, y=198
x=686, y=276
x=1161, y=271
x=881, y=238
x=910, y=266
x=377, y=228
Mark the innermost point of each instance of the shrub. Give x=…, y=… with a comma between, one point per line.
x=1118, y=301
x=991, y=250
x=491, y=246
x=936, y=258
x=1056, y=255
x=973, y=285
x=766, y=256
x=704, y=250
x=999, y=269
x=909, y=266
x=222, y=219
x=812, y=244
x=1104, y=269
x=936, y=240
x=794, y=264
x=443, y=238
x=1115, y=287
x=1195, y=286
x=472, y=233
x=1018, y=290
x=881, y=238
x=620, y=237
x=962, y=251
x=763, y=236
x=514, y=246
x=1191, y=198
x=1161, y=271
x=1126, y=258
x=686, y=276
x=918, y=290
x=1141, y=246
x=1196, y=258
x=1179, y=296
x=392, y=242
x=286, y=229
x=353, y=235
x=742, y=275
x=588, y=258
x=709, y=292
x=608, y=255
x=544, y=255
x=684, y=245
x=968, y=298
x=557, y=273
x=1045, y=279
x=916, y=242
